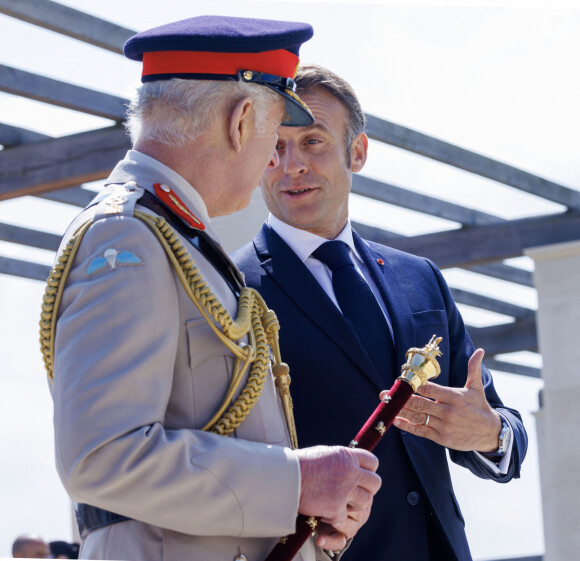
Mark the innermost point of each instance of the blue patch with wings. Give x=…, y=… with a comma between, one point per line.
x=113, y=259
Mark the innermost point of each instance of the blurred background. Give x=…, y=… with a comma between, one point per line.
x=498, y=79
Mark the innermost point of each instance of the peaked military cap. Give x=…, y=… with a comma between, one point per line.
x=227, y=48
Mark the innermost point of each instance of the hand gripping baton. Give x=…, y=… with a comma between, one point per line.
x=420, y=367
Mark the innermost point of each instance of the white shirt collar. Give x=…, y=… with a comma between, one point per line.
x=303, y=243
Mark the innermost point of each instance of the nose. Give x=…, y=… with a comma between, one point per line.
x=293, y=161
x=274, y=160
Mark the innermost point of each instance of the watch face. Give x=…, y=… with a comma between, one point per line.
x=504, y=438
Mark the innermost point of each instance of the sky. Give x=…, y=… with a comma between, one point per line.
x=498, y=78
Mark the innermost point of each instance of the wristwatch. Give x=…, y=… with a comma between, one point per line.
x=504, y=440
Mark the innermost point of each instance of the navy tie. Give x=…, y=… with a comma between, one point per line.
x=358, y=303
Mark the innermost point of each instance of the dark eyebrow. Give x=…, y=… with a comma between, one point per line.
x=315, y=127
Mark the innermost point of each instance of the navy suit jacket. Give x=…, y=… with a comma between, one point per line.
x=335, y=386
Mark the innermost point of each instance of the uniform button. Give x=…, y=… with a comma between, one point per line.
x=413, y=498
x=240, y=558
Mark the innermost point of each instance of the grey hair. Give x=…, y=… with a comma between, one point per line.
x=310, y=76
x=176, y=111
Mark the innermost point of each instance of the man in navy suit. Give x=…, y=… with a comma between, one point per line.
x=335, y=379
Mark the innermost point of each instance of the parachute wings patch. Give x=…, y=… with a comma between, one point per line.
x=112, y=259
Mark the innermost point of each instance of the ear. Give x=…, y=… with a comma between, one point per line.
x=240, y=121
x=358, y=152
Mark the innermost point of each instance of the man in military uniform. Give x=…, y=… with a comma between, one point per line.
x=170, y=436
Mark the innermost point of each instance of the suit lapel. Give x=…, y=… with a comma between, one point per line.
x=404, y=331
x=294, y=278
x=394, y=297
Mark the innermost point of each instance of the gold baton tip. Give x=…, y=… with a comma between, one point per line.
x=422, y=364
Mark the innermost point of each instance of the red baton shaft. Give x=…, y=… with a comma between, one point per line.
x=421, y=365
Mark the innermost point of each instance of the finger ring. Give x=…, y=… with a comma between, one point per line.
x=337, y=551
x=427, y=419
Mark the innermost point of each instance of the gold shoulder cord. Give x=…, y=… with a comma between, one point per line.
x=254, y=319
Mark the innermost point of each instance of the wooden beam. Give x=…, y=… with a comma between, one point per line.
x=61, y=94
x=14, y=136
x=504, y=272
x=512, y=368
x=506, y=338
x=419, y=143
x=491, y=304
x=62, y=162
x=23, y=269
x=375, y=234
x=384, y=192
x=494, y=270
x=75, y=196
x=68, y=21
x=28, y=237
x=492, y=242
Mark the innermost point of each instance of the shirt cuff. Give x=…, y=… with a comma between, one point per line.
x=501, y=467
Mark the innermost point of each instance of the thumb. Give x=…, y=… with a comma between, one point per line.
x=474, y=371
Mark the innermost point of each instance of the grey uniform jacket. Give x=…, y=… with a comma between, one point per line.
x=137, y=373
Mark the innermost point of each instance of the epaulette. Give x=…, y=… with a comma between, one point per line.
x=117, y=200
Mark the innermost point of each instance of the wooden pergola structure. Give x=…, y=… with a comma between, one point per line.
x=34, y=164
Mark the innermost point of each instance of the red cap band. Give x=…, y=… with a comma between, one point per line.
x=280, y=63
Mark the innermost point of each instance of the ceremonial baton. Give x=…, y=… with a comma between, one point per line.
x=421, y=366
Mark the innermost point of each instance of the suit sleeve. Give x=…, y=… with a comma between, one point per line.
x=461, y=349
x=115, y=349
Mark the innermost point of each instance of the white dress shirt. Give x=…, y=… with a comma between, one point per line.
x=304, y=243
